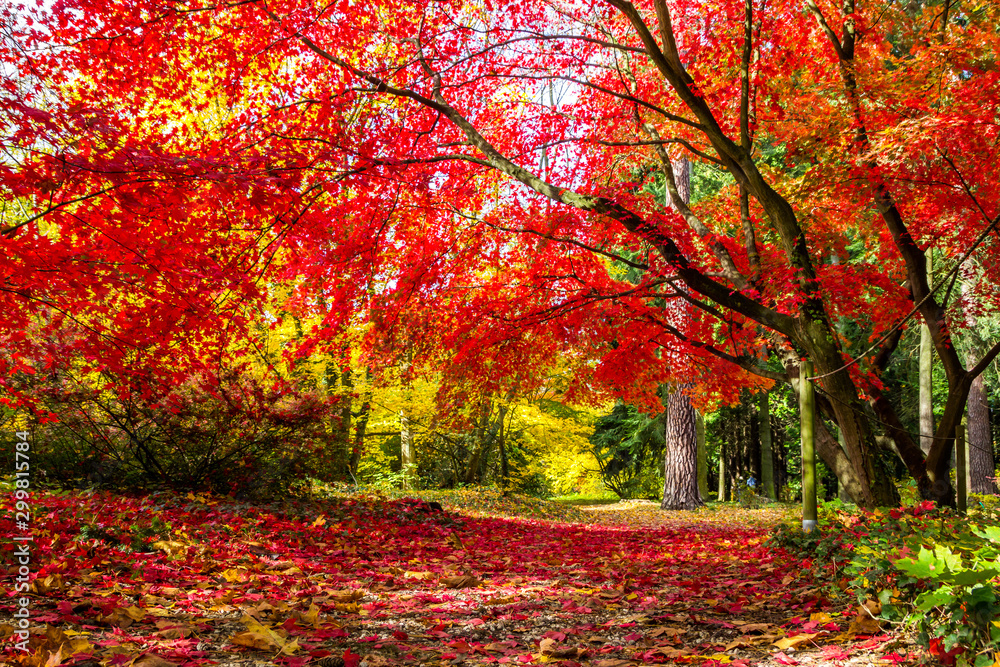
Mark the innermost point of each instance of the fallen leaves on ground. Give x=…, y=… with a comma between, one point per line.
x=372, y=581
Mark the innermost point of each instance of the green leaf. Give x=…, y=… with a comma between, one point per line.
x=930, y=599
x=991, y=533
x=971, y=577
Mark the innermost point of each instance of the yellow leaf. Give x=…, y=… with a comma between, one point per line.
x=233, y=575
x=259, y=631
x=320, y=521
x=253, y=640
x=310, y=616
x=792, y=642
x=170, y=547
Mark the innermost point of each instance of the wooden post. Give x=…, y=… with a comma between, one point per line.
x=960, y=467
x=807, y=416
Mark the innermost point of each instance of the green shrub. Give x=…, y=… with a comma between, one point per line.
x=931, y=570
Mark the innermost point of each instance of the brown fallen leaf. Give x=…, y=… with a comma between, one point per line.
x=662, y=630
x=173, y=630
x=153, y=660
x=550, y=648
x=873, y=606
x=864, y=624
x=461, y=581
x=756, y=627
x=346, y=596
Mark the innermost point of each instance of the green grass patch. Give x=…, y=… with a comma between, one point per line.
x=581, y=499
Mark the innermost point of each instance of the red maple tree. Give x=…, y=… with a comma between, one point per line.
x=493, y=176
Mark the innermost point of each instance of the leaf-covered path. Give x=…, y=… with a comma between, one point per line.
x=377, y=582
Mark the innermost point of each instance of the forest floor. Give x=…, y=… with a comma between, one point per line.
x=163, y=579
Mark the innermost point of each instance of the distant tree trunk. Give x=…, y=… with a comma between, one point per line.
x=407, y=457
x=702, y=456
x=752, y=457
x=781, y=460
x=504, y=465
x=766, y=446
x=842, y=493
x=680, y=468
x=360, y=427
x=336, y=459
x=926, y=380
x=722, y=471
x=481, y=441
x=980, y=464
x=343, y=439
x=680, y=459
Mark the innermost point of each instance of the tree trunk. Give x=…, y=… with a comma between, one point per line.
x=343, y=432
x=407, y=457
x=926, y=382
x=360, y=427
x=680, y=459
x=766, y=446
x=680, y=467
x=854, y=463
x=722, y=471
x=702, y=456
x=752, y=451
x=980, y=436
x=842, y=493
x=485, y=434
x=981, y=465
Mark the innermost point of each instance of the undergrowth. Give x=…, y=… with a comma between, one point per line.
x=925, y=569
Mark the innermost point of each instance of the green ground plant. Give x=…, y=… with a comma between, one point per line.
x=930, y=570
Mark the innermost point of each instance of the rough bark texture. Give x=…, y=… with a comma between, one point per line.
x=980, y=464
x=680, y=466
x=680, y=460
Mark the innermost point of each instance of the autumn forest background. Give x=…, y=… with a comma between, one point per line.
x=447, y=332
